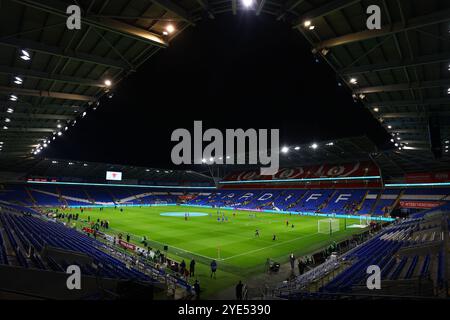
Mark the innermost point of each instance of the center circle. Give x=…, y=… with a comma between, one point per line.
x=183, y=214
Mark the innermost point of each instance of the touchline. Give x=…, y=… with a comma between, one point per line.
x=189, y=150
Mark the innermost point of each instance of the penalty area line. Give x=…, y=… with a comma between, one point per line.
x=271, y=246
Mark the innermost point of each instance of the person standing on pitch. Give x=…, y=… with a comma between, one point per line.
x=292, y=261
x=192, y=268
x=213, y=268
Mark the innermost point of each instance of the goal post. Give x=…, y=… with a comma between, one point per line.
x=365, y=219
x=328, y=226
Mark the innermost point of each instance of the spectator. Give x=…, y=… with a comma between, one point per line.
x=292, y=260
x=213, y=268
x=192, y=268
x=182, y=266
x=301, y=267
x=239, y=288
x=197, y=289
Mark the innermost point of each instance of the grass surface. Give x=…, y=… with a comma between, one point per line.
x=233, y=244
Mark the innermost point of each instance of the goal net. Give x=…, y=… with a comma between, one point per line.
x=365, y=219
x=328, y=226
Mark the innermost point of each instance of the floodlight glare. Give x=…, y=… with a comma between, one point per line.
x=18, y=80
x=170, y=28
x=285, y=150
x=25, y=55
x=247, y=3
x=297, y=148
x=108, y=82
x=307, y=23
x=353, y=81
x=314, y=146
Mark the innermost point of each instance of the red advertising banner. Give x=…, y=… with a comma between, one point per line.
x=427, y=177
x=127, y=245
x=186, y=197
x=359, y=169
x=420, y=204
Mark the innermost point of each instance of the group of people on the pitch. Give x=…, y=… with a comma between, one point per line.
x=221, y=217
x=274, y=237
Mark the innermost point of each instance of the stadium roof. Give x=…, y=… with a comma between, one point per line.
x=401, y=72
x=93, y=171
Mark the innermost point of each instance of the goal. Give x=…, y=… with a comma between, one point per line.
x=365, y=219
x=328, y=226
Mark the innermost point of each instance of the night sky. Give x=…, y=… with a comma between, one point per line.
x=232, y=72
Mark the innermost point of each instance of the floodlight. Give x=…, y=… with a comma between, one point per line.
x=247, y=3
x=25, y=55
x=285, y=150
x=170, y=28
x=18, y=80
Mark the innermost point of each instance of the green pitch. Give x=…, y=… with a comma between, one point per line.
x=232, y=243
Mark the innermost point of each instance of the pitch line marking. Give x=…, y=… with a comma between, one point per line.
x=176, y=248
x=273, y=245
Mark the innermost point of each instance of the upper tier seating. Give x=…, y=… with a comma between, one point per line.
x=327, y=201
